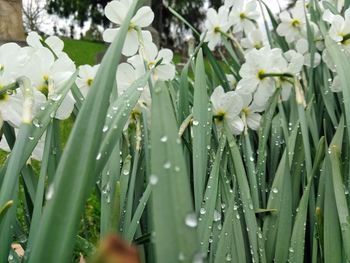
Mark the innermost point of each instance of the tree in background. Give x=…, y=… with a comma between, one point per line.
x=34, y=14
x=170, y=28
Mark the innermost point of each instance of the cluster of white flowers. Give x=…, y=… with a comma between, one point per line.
x=266, y=69
x=263, y=69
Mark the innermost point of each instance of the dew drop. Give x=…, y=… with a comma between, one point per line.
x=191, y=220
x=164, y=139
x=153, y=179
x=167, y=165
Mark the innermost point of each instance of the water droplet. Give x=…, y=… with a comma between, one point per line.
x=36, y=123
x=251, y=159
x=105, y=128
x=195, y=123
x=31, y=138
x=42, y=107
x=164, y=139
x=202, y=211
x=191, y=220
x=181, y=256
x=167, y=165
x=153, y=179
x=50, y=192
x=275, y=190
x=56, y=97
x=228, y=257
x=98, y=157
x=217, y=216
x=126, y=172
x=291, y=250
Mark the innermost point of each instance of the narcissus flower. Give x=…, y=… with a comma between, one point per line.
x=48, y=74
x=340, y=27
x=227, y=107
x=86, y=77
x=244, y=15
x=216, y=25
x=116, y=11
x=150, y=57
x=293, y=24
x=35, y=41
x=254, y=39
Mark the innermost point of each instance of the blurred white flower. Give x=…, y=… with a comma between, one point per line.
x=340, y=27
x=302, y=47
x=150, y=57
x=38, y=151
x=227, y=107
x=244, y=15
x=216, y=24
x=35, y=41
x=254, y=39
x=116, y=11
x=48, y=74
x=292, y=25
x=86, y=77
x=250, y=111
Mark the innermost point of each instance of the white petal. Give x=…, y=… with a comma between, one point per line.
x=131, y=44
x=165, y=72
x=143, y=17
x=109, y=34
x=66, y=108
x=253, y=121
x=116, y=11
x=125, y=76
x=55, y=44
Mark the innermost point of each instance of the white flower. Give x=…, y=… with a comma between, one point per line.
x=48, y=74
x=250, y=111
x=150, y=57
x=302, y=47
x=38, y=151
x=336, y=84
x=86, y=77
x=231, y=81
x=292, y=25
x=116, y=12
x=254, y=39
x=259, y=71
x=227, y=107
x=35, y=41
x=340, y=27
x=244, y=15
x=217, y=23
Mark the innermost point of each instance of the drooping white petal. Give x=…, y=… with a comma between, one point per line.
x=131, y=44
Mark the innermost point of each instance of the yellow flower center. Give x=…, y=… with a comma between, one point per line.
x=260, y=74
x=246, y=111
x=258, y=45
x=220, y=115
x=242, y=16
x=132, y=27
x=5, y=96
x=89, y=82
x=217, y=30
x=296, y=23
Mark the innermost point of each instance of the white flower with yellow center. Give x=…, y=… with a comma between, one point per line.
x=227, y=107
x=86, y=77
x=340, y=27
x=48, y=74
x=159, y=61
x=293, y=24
x=254, y=39
x=116, y=11
x=216, y=24
x=261, y=76
x=244, y=16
